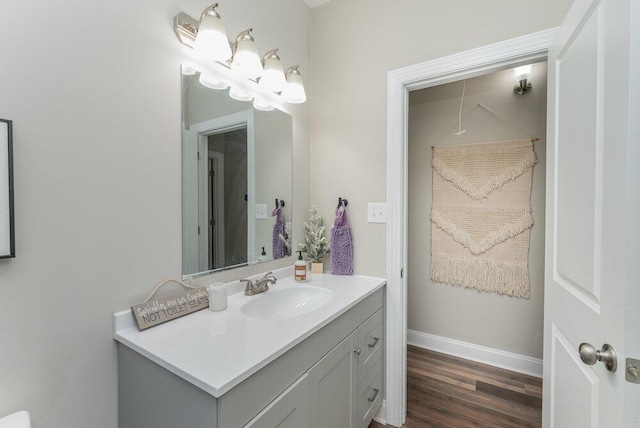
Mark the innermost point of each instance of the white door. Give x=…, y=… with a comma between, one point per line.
x=587, y=216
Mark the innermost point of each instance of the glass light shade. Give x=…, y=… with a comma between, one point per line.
x=211, y=82
x=294, y=91
x=272, y=78
x=239, y=94
x=211, y=41
x=523, y=72
x=246, y=61
x=188, y=70
x=261, y=103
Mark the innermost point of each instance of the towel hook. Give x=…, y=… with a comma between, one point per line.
x=340, y=201
x=279, y=203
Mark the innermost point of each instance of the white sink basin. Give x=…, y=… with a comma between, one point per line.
x=287, y=303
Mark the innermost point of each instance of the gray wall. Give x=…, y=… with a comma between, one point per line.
x=354, y=44
x=93, y=89
x=500, y=322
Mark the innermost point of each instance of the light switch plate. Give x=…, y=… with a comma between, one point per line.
x=261, y=211
x=377, y=213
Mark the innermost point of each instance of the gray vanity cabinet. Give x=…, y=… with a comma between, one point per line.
x=346, y=385
x=333, y=387
x=332, y=379
x=370, y=368
x=289, y=410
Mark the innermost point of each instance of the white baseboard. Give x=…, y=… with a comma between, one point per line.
x=495, y=357
x=381, y=416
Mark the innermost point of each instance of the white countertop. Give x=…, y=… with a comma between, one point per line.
x=217, y=350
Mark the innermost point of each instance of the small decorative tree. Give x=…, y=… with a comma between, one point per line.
x=316, y=246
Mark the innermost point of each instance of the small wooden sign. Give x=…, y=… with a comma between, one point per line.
x=163, y=309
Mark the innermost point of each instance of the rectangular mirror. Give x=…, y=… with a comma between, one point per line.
x=236, y=163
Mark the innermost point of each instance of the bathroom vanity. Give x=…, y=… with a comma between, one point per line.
x=298, y=355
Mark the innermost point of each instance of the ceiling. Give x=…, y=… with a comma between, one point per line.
x=315, y=3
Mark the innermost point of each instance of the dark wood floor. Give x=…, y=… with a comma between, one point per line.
x=445, y=391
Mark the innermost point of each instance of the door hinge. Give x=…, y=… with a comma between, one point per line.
x=198, y=155
x=198, y=230
x=402, y=273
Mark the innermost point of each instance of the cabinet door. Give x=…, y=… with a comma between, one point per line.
x=289, y=410
x=333, y=388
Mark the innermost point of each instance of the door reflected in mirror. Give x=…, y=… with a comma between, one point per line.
x=236, y=162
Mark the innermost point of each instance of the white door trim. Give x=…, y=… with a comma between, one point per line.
x=219, y=221
x=464, y=65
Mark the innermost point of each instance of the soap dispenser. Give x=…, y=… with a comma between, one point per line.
x=300, y=269
x=263, y=256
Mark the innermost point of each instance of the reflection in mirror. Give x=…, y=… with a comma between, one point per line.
x=236, y=162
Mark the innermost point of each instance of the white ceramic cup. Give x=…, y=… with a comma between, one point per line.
x=217, y=297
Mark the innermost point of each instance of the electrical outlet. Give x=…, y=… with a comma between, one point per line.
x=377, y=213
x=261, y=211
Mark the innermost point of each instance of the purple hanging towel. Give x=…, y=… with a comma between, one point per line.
x=277, y=246
x=341, y=244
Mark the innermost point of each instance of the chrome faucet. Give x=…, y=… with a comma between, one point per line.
x=260, y=286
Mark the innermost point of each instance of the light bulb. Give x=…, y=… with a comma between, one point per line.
x=261, y=103
x=211, y=41
x=272, y=79
x=523, y=72
x=187, y=70
x=294, y=91
x=239, y=94
x=211, y=82
x=246, y=61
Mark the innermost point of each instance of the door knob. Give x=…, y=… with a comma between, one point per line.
x=589, y=355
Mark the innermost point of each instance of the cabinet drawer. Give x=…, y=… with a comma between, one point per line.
x=370, y=343
x=370, y=395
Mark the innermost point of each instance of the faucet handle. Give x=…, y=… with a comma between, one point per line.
x=267, y=274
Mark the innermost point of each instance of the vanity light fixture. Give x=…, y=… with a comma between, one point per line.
x=246, y=61
x=212, y=82
x=239, y=94
x=523, y=74
x=261, y=103
x=272, y=79
x=188, y=70
x=249, y=76
x=294, y=91
x=211, y=40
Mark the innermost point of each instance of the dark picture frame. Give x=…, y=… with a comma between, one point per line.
x=7, y=228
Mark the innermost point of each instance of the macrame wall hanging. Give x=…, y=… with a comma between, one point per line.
x=481, y=216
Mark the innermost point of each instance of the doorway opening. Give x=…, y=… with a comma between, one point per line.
x=463, y=320
x=227, y=191
x=218, y=193
x=500, y=56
